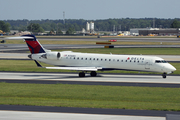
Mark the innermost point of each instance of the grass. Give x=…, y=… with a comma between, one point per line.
x=90, y=96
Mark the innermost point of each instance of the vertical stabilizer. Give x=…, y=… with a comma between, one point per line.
x=33, y=44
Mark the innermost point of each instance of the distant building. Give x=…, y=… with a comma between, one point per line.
x=157, y=31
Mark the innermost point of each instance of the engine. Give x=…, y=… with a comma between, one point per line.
x=51, y=55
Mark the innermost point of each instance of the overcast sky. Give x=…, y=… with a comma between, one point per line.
x=88, y=9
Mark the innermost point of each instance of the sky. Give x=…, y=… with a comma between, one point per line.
x=88, y=9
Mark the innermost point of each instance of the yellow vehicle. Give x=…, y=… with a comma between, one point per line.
x=120, y=34
x=1, y=32
x=150, y=34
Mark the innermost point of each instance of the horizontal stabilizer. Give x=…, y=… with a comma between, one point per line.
x=19, y=37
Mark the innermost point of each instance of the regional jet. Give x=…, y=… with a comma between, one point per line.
x=90, y=62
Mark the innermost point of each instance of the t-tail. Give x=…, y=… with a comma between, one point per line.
x=33, y=44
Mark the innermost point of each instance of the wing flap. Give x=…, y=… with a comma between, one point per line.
x=72, y=68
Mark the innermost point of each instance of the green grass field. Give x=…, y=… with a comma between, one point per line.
x=90, y=96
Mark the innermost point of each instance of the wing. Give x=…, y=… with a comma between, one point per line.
x=72, y=68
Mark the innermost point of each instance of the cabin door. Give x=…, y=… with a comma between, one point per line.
x=147, y=64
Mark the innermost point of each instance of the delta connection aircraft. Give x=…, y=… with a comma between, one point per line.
x=90, y=62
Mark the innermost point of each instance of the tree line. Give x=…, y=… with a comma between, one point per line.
x=123, y=24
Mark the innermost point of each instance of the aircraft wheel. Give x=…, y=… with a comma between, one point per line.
x=93, y=73
x=164, y=75
x=81, y=74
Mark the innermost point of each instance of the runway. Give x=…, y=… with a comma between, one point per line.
x=23, y=47
x=101, y=79
x=22, y=115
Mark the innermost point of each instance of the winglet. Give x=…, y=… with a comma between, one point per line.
x=37, y=63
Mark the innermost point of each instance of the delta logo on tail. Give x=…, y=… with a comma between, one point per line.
x=34, y=45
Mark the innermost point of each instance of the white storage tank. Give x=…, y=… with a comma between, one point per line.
x=87, y=26
x=92, y=26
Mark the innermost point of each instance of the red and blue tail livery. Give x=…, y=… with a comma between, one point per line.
x=33, y=44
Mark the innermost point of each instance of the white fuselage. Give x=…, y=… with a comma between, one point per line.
x=106, y=61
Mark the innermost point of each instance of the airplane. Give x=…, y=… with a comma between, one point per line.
x=91, y=62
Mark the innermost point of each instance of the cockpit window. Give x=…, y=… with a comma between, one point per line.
x=160, y=61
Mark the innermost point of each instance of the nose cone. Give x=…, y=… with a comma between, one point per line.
x=173, y=68
x=170, y=68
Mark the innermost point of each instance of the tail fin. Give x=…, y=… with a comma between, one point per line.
x=33, y=44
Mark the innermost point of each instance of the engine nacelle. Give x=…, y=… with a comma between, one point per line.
x=52, y=55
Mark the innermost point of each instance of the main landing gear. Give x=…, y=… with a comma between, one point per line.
x=164, y=75
x=93, y=74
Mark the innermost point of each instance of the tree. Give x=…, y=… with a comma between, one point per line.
x=52, y=32
x=5, y=27
x=175, y=24
x=59, y=31
x=33, y=27
x=70, y=31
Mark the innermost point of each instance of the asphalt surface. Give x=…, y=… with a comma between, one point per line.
x=165, y=85
x=27, y=115
x=19, y=48
x=87, y=110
